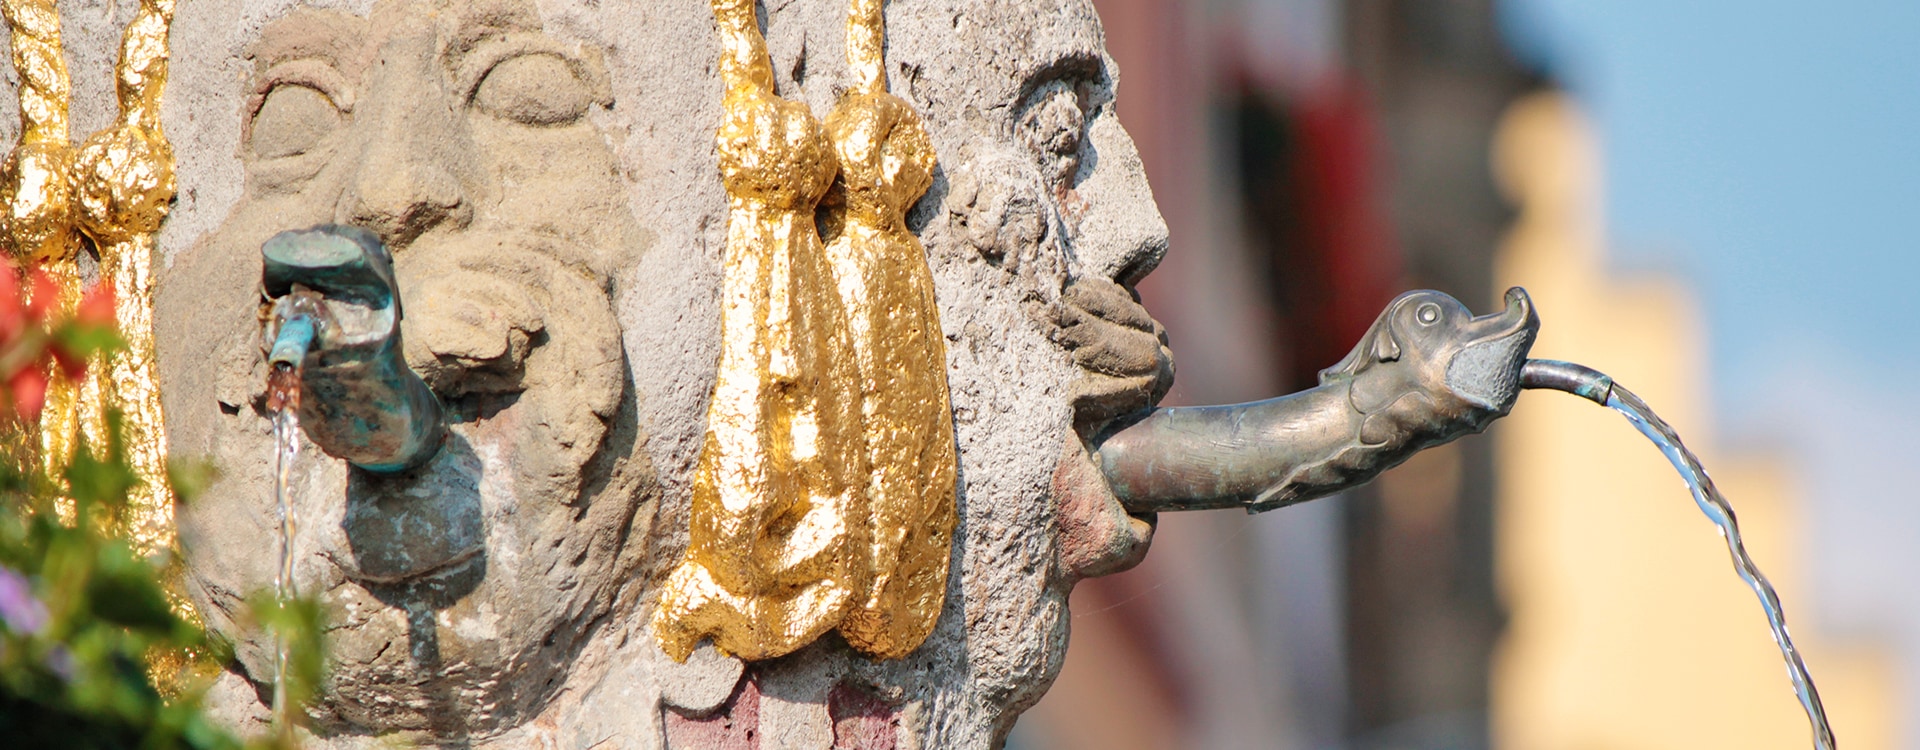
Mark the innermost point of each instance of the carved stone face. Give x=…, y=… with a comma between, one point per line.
x=1043, y=222
x=458, y=591
x=1056, y=195
x=516, y=158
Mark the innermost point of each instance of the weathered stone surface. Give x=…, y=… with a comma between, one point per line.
x=563, y=242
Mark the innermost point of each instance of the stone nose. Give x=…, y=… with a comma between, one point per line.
x=418, y=162
x=400, y=199
x=1121, y=235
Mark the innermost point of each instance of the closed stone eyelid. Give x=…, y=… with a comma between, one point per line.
x=472, y=67
x=310, y=72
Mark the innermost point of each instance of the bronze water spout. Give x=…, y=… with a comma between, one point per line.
x=1427, y=372
x=333, y=323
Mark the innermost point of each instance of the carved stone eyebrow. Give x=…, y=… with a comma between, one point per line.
x=331, y=38
x=313, y=73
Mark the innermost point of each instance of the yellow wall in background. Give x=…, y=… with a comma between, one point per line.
x=1629, y=628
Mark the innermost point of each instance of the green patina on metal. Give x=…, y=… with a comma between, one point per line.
x=333, y=333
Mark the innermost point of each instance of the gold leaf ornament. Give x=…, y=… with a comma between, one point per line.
x=824, y=494
x=770, y=561
x=115, y=189
x=886, y=164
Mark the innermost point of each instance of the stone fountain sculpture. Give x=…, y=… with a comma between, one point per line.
x=545, y=179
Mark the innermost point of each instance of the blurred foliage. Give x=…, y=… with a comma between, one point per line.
x=86, y=623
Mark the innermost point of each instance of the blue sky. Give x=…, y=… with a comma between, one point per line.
x=1769, y=152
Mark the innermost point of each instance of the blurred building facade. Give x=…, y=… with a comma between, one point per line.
x=1313, y=158
x=1628, y=627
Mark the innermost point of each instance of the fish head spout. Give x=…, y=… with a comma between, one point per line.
x=1430, y=347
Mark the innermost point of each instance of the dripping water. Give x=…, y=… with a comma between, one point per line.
x=283, y=399
x=1601, y=389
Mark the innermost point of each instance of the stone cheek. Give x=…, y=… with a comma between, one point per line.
x=1097, y=537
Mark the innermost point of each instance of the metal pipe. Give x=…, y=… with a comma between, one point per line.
x=335, y=328
x=1427, y=372
x=291, y=344
x=1579, y=380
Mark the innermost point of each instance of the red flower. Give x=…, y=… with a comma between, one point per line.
x=28, y=389
x=94, y=311
x=38, y=342
x=44, y=303
x=96, y=306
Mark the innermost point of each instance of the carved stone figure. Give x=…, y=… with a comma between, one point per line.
x=546, y=180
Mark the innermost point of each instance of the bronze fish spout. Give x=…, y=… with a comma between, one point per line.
x=1427, y=372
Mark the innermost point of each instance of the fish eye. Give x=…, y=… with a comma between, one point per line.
x=1428, y=314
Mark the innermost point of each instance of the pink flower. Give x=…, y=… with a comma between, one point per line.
x=19, y=610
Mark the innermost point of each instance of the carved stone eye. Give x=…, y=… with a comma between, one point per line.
x=1052, y=127
x=292, y=120
x=536, y=89
x=1428, y=314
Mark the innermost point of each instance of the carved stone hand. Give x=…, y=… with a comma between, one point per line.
x=1121, y=350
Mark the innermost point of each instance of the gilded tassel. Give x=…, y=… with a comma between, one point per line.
x=779, y=489
x=886, y=164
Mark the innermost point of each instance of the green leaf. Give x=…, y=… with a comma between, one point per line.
x=87, y=340
x=93, y=481
x=299, y=623
x=125, y=591
x=190, y=477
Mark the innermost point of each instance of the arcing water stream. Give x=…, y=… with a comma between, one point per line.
x=1597, y=387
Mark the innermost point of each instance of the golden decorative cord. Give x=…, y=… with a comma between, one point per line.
x=115, y=189
x=825, y=488
x=769, y=563
x=123, y=185
x=36, y=197
x=886, y=164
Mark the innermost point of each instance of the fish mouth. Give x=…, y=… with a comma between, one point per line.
x=1486, y=368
